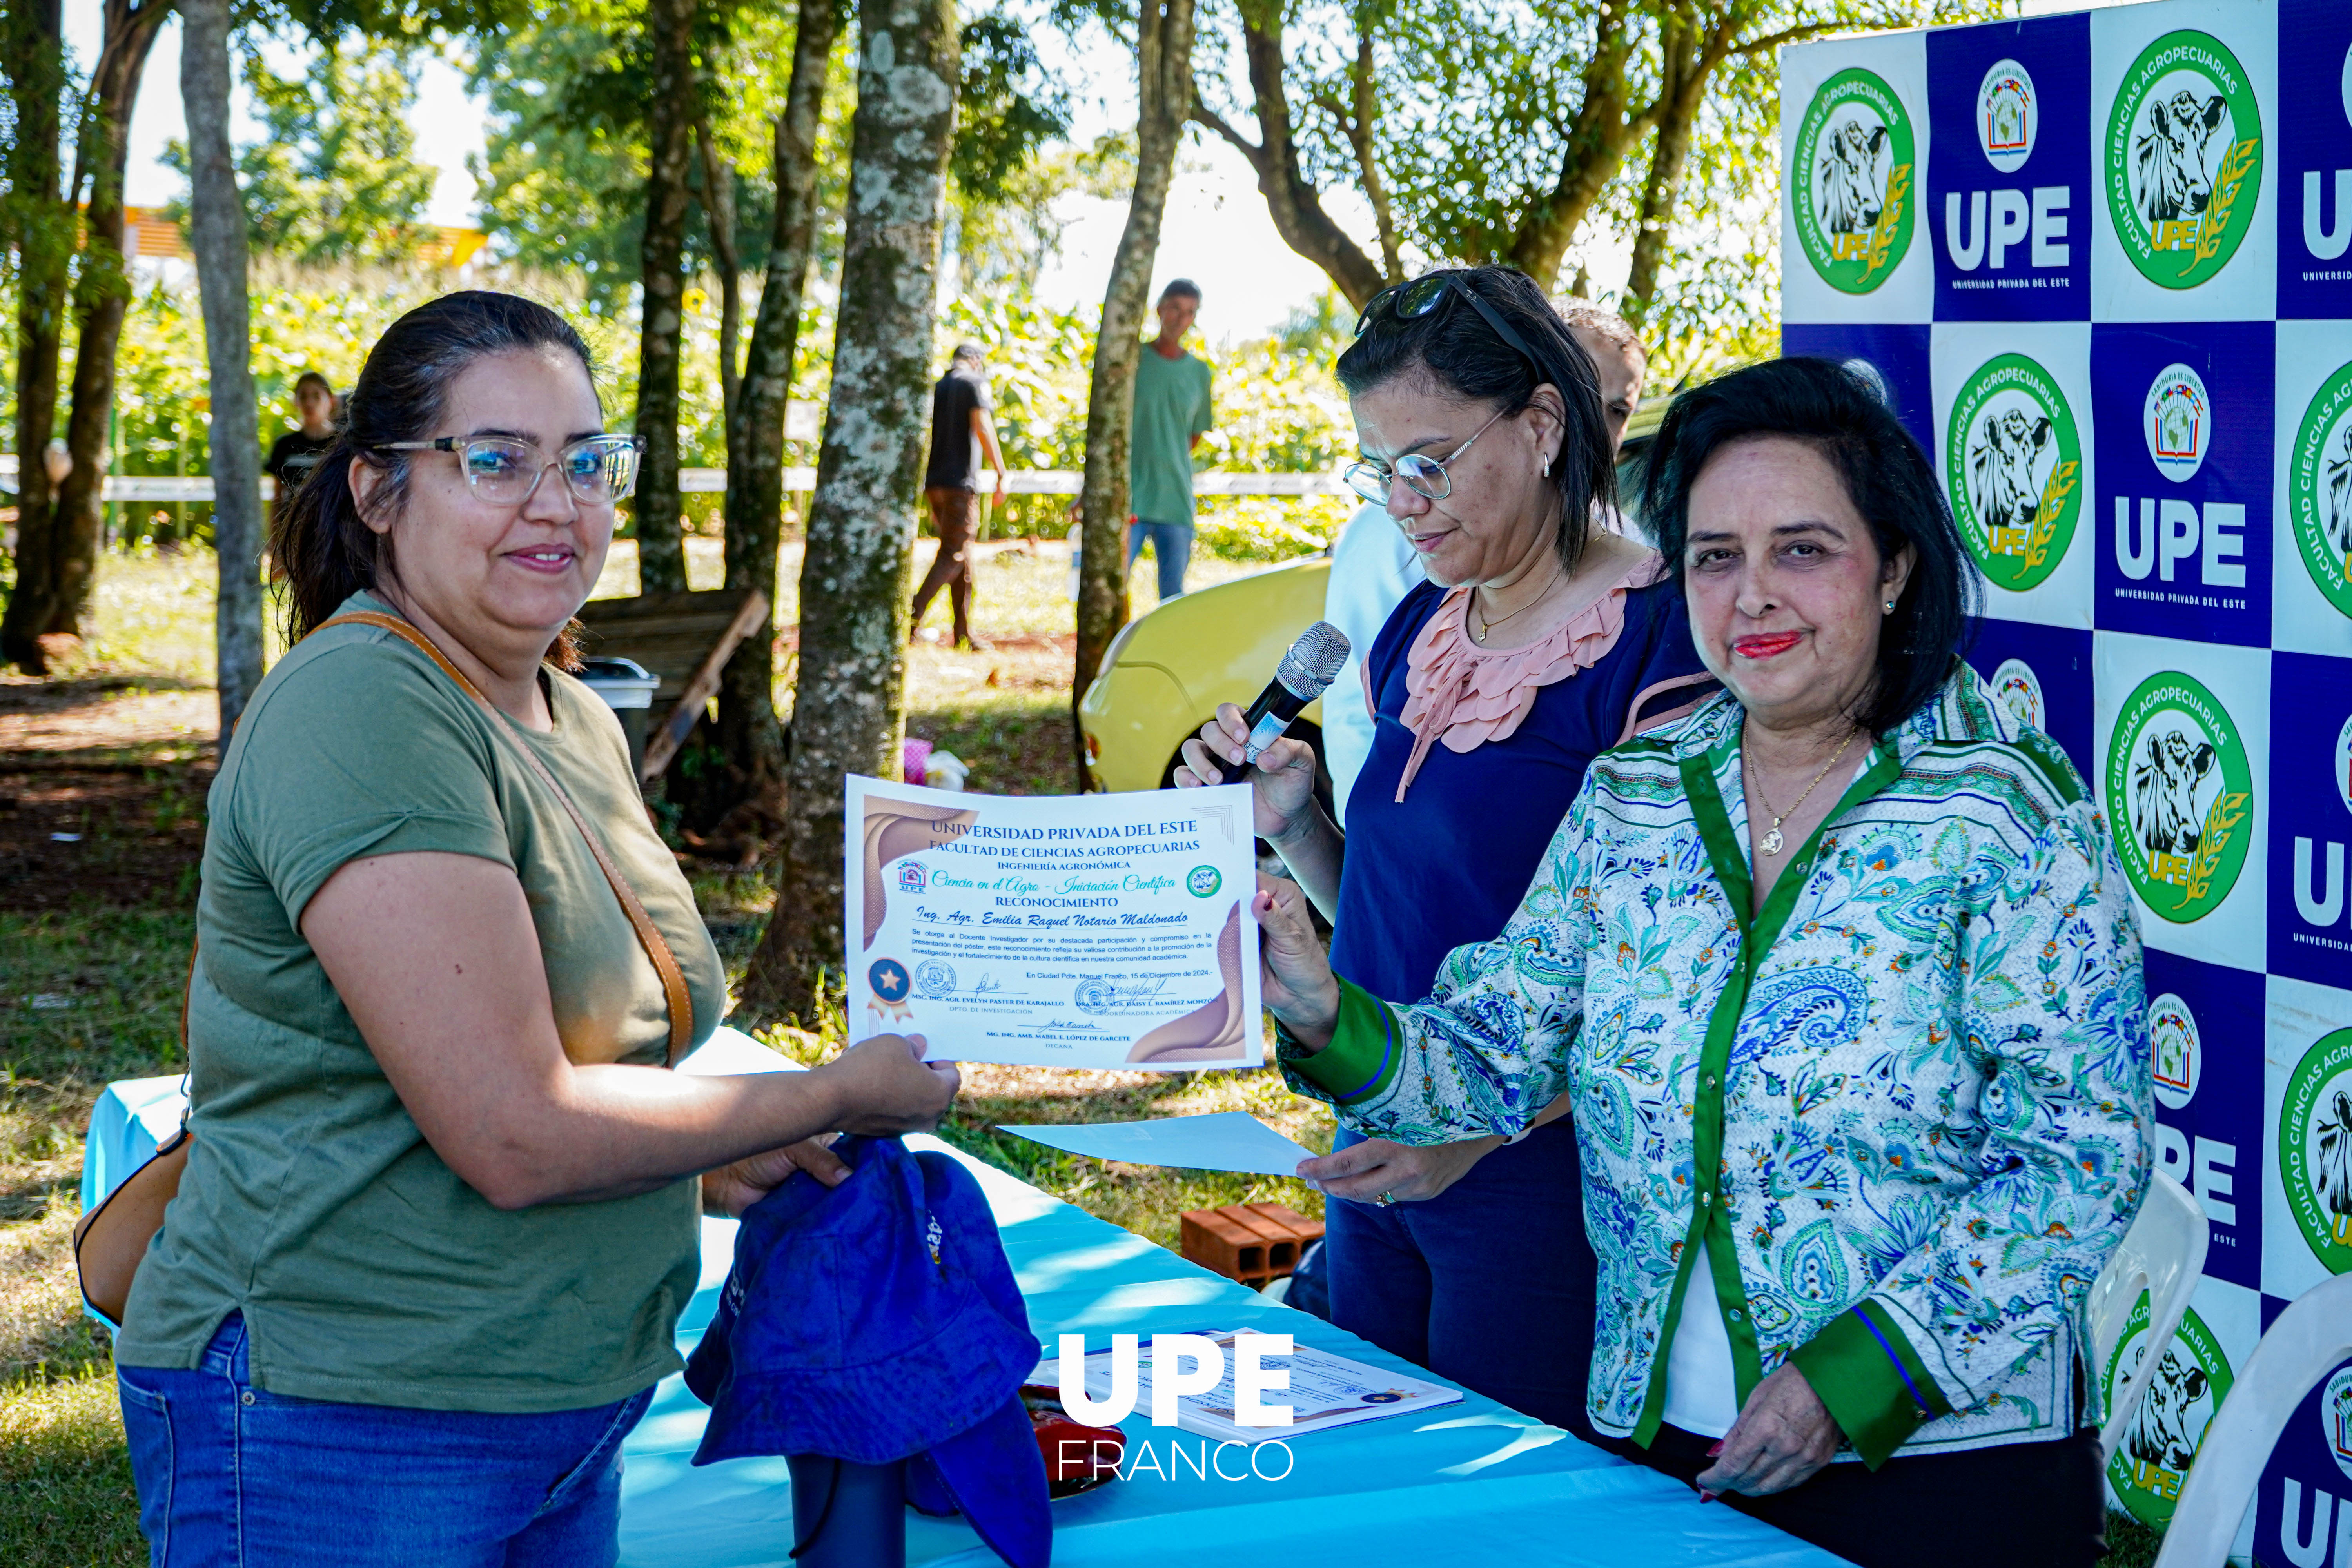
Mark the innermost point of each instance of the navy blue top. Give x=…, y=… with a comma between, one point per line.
x=1448, y=865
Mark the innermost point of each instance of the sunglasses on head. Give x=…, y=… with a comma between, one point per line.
x=1427, y=294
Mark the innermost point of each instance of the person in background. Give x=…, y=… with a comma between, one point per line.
x=293, y=455
x=1374, y=566
x=1172, y=415
x=961, y=431
x=1540, y=640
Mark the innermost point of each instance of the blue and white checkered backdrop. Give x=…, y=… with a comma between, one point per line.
x=2101, y=265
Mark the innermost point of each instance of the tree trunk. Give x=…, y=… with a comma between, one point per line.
x=1164, y=77
x=846, y=704
x=1681, y=92
x=669, y=143
x=101, y=293
x=748, y=727
x=1295, y=207
x=217, y=235
x=1597, y=136
x=43, y=235
x=719, y=211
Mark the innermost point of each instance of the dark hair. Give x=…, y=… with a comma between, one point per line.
x=1181, y=289
x=1458, y=354
x=322, y=548
x=313, y=378
x=1887, y=478
x=969, y=353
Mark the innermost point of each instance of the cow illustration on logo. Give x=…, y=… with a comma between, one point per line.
x=2008, y=115
x=2178, y=775
x=2319, y=489
x=2336, y=1417
x=2180, y=1056
x=2017, y=688
x=2184, y=152
x=2013, y=467
x=2190, y=1382
x=2315, y=1149
x=2177, y=418
x=1852, y=208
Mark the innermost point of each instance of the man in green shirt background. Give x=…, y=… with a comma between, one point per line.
x=1172, y=415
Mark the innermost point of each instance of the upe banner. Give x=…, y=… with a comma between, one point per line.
x=2101, y=266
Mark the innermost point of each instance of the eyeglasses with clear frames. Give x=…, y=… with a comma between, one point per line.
x=505, y=471
x=1424, y=477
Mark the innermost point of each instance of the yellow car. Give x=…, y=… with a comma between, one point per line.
x=1168, y=670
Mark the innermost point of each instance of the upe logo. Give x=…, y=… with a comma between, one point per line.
x=2314, y=1150
x=2179, y=1057
x=1202, y=882
x=2319, y=489
x=2336, y=1418
x=2008, y=115
x=2327, y=241
x=1852, y=208
x=910, y=877
x=2319, y=889
x=2177, y=418
x=2017, y=688
x=2188, y=1386
x=2179, y=782
x=2013, y=465
x=2184, y=153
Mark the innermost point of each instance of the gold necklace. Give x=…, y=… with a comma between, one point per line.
x=1771, y=841
x=1487, y=627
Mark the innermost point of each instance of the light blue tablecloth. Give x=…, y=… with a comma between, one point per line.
x=1473, y=1484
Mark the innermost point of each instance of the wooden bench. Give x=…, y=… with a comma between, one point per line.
x=684, y=638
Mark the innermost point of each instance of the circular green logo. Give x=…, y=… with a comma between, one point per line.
x=2314, y=1149
x=2184, y=159
x=1202, y=882
x=2179, y=788
x=2189, y=1386
x=2014, y=466
x=1854, y=208
x=2319, y=489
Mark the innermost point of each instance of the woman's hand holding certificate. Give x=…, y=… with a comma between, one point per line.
x=1071, y=930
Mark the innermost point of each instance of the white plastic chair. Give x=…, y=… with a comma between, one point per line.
x=2162, y=1254
x=2307, y=1342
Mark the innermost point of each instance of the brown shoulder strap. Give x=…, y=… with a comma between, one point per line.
x=673, y=979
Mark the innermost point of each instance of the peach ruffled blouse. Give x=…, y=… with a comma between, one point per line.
x=1465, y=696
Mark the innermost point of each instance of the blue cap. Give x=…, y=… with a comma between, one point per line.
x=876, y=1322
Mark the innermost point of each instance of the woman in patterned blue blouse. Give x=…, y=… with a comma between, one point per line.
x=1840, y=979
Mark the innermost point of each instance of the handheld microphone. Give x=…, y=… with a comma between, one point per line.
x=1305, y=673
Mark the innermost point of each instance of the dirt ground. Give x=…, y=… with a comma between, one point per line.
x=101, y=790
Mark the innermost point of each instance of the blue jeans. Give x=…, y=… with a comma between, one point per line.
x=231, y=1476
x=1172, y=552
x=1490, y=1284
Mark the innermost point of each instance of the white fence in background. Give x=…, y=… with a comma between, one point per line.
x=797, y=481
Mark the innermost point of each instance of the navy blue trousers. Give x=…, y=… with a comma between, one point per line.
x=1489, y=1285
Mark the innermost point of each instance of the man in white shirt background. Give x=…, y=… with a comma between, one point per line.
x=1373, y=567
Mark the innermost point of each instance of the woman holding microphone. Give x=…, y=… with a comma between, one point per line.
x=439, y=1218
x=1540, y=640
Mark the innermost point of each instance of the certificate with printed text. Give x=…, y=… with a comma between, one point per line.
x=1094, y=931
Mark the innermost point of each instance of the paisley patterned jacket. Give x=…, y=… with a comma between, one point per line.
x=1905, y=1104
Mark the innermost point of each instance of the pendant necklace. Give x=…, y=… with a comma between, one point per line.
x=1771, y=841
x=1487, y=627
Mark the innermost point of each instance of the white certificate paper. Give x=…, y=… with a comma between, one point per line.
x=1093, y=931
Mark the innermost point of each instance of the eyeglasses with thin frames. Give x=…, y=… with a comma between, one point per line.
x=505, y=471
x=1425, y=476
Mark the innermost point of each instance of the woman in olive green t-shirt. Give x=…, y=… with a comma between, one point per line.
x=438, y=1221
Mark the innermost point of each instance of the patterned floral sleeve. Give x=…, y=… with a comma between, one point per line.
x=2050, y=1013
x=1490, y=1046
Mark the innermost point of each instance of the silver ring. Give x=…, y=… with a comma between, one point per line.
x=1385, y=1199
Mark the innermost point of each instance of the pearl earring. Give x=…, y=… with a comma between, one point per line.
x=1890, y=606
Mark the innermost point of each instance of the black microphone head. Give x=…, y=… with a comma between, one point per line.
x=1314, y=660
